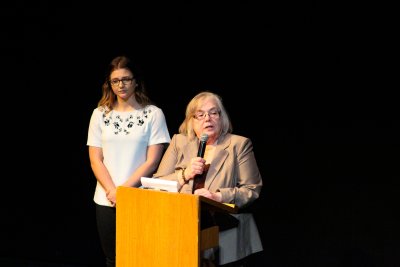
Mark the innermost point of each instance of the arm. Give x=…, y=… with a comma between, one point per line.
x=158, y=139
x=100, y=171
x=154, y=153
x=248, y=181
x=168, y=167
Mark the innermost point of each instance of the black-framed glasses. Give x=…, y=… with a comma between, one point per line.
x=125, y=81
x=213, y=114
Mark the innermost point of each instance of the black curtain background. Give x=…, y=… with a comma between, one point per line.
x=303, y=80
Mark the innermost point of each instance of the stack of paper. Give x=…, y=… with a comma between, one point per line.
x=159, y=184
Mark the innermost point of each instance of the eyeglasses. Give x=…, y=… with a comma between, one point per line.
x=125, y=81
x=213, y=114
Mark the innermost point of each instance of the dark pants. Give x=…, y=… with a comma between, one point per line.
x=106, y=225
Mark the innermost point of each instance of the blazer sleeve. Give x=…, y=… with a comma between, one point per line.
x=248, y=181
x=166, y=169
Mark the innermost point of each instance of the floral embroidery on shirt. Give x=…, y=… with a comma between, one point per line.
x=124, y=125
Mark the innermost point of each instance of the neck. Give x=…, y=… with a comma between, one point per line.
x=127, y=104
x=212, y=141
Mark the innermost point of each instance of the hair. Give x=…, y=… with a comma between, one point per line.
x=186, y=127
x=109, y=98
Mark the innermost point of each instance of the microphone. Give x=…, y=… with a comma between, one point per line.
x=202, y=145
x=198, y=180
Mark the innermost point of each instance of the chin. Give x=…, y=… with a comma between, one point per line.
x=209, y=132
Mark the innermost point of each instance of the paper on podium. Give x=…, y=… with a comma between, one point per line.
x=159, y=184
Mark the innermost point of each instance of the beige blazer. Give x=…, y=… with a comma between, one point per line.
x=233, y=170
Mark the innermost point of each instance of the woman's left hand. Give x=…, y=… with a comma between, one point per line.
x=205, y=193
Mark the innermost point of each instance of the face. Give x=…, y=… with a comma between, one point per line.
x=122, y=83
x=207, y=120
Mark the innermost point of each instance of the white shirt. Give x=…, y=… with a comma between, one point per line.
x=124, y=138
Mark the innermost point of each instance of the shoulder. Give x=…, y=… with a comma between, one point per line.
x=180, y=140
x=153, y=110
x=237, y=142
x=102, y=109
x=98, y=112
x=237, y=139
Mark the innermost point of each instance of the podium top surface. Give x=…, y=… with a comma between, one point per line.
x=219, y=206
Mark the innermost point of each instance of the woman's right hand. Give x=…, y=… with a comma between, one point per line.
x=112, y=196
x=195, y=167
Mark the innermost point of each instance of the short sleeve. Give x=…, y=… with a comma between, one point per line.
x=94, y=132
x=159, y=130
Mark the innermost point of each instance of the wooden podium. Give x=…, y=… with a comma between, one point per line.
x=156, y=228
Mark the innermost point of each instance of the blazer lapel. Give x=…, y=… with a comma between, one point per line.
x=220, y=156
